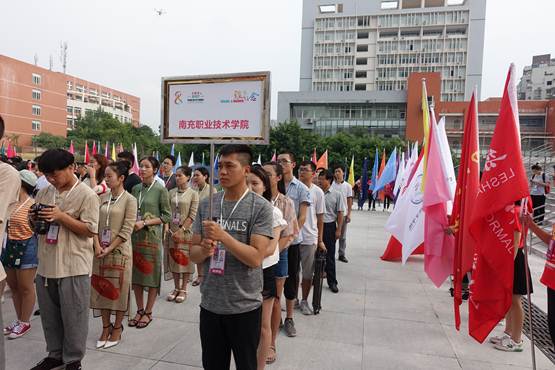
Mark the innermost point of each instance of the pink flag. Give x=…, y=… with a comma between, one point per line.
x=94, y=148
x=9, y=151
x=87, y=154
x=71, y=148
x=274, y=158
x=439, y=247
x=106, y=150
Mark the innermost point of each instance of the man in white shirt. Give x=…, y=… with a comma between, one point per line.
x=343, y=187
x=10, y=183
x=312, y=231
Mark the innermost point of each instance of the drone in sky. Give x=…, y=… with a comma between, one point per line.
x=160, y=11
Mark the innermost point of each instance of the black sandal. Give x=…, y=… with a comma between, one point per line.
x=143, y=324
x=133, y=322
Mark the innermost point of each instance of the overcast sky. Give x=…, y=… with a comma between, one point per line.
x=123, y=43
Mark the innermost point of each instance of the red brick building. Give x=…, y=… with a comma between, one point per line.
x=34, y=100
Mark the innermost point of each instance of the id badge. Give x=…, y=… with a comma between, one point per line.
x=217, y=261
x=52, y=236
x=105, y=238
x=176, y=218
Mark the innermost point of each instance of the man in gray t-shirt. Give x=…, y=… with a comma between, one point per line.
x=231, y=244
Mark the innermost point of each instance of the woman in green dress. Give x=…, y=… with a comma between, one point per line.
x=153, y=211
x=184, y=204
x=201, y=182
x=111, y=278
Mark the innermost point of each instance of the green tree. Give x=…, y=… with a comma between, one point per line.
x=49, y=141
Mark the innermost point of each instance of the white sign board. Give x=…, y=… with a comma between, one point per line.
x=216, y=109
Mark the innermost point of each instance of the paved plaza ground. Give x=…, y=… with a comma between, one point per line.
x=386, y=316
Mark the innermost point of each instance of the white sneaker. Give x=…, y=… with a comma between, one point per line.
x=498, y=339
x=508, y=345
x=305, y=308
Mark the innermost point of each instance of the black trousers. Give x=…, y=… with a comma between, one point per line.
x=386, y=202
x=538, y=201
x=329, y=242
x=551, y=314
x=221, y=334
x=291, y=285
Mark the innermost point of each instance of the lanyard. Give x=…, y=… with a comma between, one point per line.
x=168, y=180
x=180, y=197
x=108, y=208
x=67, y=195
x=141, y=193
x=234, y=207
x=275, y=200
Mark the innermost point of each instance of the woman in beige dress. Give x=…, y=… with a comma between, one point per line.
x=201, y=181
x=111, y=278
x=184, y=204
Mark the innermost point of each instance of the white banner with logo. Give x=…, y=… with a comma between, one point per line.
x=218, y=108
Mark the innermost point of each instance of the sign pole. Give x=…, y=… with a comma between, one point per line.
x=212, y=172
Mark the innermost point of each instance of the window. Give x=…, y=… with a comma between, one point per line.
x=362, y=48
x=362, y=35
x=70, y=124
x=69, y=109
x=36, y=125
x=360, y=87
x=36, y=95
x=36, y=110
x=390, y=5
x=36, y=79
x=327, y=9
x=549, y=83
x=361, y=74
x=362, y=61
x=455, y=2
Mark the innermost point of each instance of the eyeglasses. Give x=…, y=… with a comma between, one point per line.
x=303, y=169
x=284, y=161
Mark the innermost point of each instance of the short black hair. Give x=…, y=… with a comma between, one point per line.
x=309, y=163
x=185, y=169
x=171, y=158
x=153, y=161
x=290, y=154
x=244, y=152
x=55, y=160
x=537, y=167
x=203, y=171
x=339, y=165
x=121, y=168
x=2, y=127
x=127, y=156
x=327, y=174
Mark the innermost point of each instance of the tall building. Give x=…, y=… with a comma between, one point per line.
x=34, y=100
x=357, y=57
x=538, y=80
x=367, y=45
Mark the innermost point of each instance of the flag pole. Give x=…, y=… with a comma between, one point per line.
x=211, y=181
x=524, y=210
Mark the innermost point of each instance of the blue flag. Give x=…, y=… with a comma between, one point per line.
x=178, y=161
x=389, y=172
x=363, y=184
x=375, y=171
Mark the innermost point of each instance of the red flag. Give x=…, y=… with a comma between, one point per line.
x=323, y=161
x=314, y=157
x=394, y=251
x=94, y=148
x=465, y=196
x=87, y=155
x=492, y=224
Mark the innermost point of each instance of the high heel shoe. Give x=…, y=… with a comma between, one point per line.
x=110, y=344
x=102, y=343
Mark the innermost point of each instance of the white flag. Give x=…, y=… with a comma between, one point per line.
x=192, y=160
x=447, y=162
x=406, y=222
x=400, y=174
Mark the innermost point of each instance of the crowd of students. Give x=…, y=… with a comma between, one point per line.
x=83, y=236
